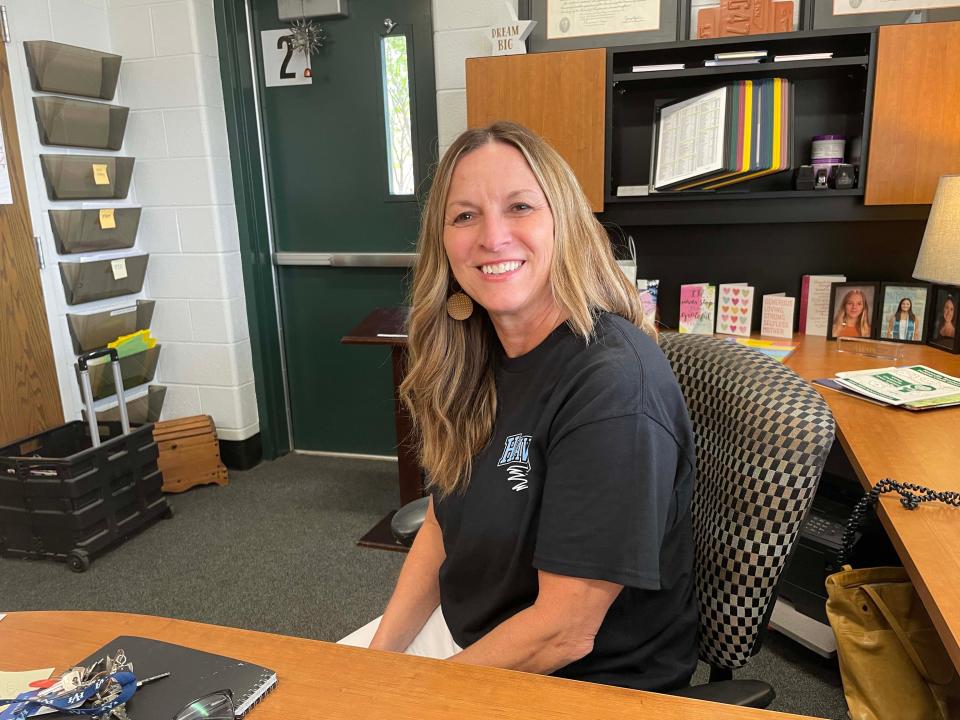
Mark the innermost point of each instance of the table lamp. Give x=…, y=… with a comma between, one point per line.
x=939, y=262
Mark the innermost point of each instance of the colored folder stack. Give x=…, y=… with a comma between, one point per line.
x=756, y=133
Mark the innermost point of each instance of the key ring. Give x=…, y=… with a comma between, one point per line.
x=25, y=707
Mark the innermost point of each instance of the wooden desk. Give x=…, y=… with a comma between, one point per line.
x=922, y=448
x=317, y=679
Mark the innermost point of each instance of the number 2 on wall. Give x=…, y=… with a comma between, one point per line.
x=288, y=41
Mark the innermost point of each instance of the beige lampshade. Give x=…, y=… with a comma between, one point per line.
x=939, y=258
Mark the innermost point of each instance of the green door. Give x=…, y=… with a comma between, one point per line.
x=329, y=165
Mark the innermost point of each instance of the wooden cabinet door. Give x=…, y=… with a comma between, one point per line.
x=558, y=95
x=28, y=378
x=915, y=132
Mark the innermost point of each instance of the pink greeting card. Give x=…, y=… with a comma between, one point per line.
x=698, y=302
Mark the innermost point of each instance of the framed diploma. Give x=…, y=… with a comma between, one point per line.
x=578, y=24
x=823, y=14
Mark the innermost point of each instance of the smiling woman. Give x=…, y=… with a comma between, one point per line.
x=554, y=436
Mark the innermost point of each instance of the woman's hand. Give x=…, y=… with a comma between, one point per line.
x=558, y=629
x=417, y=593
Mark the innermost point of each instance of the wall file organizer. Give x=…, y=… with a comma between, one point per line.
x=58, y=68
x=92, y=331
x=86, y=177
x=135, y=369
x=77, y=231
x=141, y=410
x=80, y=123
x=99, y=279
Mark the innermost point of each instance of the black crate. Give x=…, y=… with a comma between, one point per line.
x=62, y=498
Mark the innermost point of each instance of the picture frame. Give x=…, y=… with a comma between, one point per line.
x=943, y=309
x=865, y=323
x=897, y=323
x=672, y=18
x=822, y=15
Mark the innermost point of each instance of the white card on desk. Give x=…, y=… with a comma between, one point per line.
x=777, y=318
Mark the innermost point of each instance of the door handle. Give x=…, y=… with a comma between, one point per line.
x=346, y=259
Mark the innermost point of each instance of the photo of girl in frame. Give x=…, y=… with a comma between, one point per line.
x=943, y=320
x=852, y=307
x=903, y=312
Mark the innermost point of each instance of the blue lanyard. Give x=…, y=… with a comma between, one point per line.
x=28, y=704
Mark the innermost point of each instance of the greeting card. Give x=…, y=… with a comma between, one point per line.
x=698, y=303
x=777, y=317
x=649, y=290
x=735, y=309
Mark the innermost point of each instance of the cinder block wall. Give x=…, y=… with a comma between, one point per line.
x=459, y=33
x=170, y=79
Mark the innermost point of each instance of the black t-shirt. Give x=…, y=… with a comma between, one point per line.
x=589, y=473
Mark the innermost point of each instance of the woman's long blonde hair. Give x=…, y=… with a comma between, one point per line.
x=449, y=387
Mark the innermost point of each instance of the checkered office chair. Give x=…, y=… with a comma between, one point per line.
x=762, y=437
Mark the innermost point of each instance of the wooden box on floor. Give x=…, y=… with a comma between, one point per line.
x=189, y=453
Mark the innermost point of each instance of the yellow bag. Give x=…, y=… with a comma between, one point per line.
x=892, y=662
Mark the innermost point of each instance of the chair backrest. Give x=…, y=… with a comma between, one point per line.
x=762, y=438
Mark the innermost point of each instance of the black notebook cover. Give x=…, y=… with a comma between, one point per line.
x=193, y=674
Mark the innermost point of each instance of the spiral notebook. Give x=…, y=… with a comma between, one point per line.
x=193, y=674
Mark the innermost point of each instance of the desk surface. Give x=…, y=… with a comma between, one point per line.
x=921, y=448
x=317, y=679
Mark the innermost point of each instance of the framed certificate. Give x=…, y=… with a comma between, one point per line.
x=578, y=24
x=824, y=14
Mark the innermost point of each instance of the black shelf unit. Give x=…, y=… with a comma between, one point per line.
x=830, y=96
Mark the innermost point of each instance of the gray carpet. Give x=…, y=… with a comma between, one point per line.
x=275, y=551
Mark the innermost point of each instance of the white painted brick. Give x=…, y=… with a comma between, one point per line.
x=171, y=29
x=451, y=115
x=158, y=232
x=207, y=364
x=212, y=228
x=200, y=131
x=217, y=139
x=81, y=22
x=233, y=408
x=166, y=82
x=145, y=137
x=29, y=20
x=186, y=133
x=180, y=400
x=195, y=276
x=204, y=28
x=219, y=321
x=135, y=3
x=171, y=321
x=238, y=435
x=183, y=181
x=459, y=14
x=131, y=32
x=211, y=87
x=450, y=50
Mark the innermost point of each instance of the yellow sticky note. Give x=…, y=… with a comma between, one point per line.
x=100, y=176
x=119, y=267
x=107, y=220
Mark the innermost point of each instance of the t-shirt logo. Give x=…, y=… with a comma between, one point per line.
x=516, y=456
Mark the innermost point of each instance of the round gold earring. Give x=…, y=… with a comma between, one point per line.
x=459, y=306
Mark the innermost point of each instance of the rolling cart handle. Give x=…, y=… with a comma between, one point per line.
x=83, y=362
